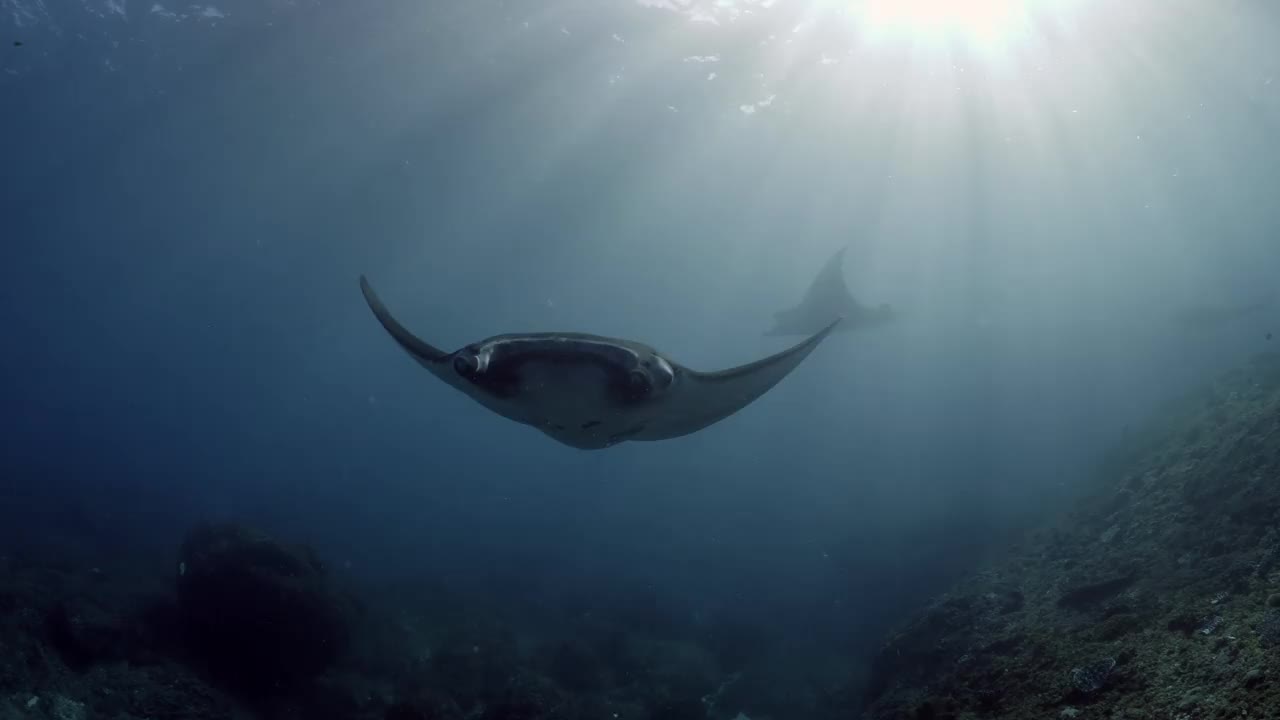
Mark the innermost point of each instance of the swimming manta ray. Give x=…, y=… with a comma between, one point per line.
x=591, y=392
x=828, y=298
x=1211, y=316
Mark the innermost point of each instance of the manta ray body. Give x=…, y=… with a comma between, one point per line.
x=827, y=299
x=591, y=392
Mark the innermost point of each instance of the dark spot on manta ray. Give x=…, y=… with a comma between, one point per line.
x=1268, y=336
x=590, y=424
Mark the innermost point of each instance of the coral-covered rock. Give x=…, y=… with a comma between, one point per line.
x=1149, y=598
x=424, y=708
x=528, y=696
x=84, y=633
x=259, y=613
x=474, y=663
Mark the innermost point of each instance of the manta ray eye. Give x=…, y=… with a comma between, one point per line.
x=466, y=365
x=638, y=384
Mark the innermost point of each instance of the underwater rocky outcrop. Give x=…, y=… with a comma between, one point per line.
x=83, y=642
x=1158, y=596
x=260, y=613
x=245, y=626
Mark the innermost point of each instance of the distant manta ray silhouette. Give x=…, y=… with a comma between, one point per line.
x=591, y=392
x=827, y=298
x=1206, y=316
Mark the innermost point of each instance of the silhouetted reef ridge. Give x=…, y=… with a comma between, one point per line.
x=1155, y=597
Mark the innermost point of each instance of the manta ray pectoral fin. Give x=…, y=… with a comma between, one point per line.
x=704, y=398
x=826, y=299
x=426, y=355
x=829, y=289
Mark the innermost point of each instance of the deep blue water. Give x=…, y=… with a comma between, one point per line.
x=188, y=203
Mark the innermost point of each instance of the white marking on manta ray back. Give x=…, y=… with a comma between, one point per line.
x=666, y=366
x=488, y=348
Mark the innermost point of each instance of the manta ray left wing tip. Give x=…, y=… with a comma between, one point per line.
x=426, y=354
x=366, y=289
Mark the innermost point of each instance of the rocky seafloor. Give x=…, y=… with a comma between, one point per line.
x=1158, y=596
x=242, y=625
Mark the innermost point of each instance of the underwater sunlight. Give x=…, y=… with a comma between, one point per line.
x=986, y=26
x=728, y=360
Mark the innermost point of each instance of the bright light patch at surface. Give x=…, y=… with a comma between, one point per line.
x=986, y=24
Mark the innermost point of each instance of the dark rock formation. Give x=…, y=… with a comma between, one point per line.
x=259, y=613
x=84, y=633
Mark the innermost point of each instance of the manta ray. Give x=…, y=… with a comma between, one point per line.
x=1212, y=316
x=828, y=298
x=592, y=392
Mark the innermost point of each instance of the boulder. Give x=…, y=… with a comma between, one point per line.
x=257, y=612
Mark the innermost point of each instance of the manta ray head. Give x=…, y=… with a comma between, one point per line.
x=583, y=391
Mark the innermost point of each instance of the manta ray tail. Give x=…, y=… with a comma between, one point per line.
x=424, y=353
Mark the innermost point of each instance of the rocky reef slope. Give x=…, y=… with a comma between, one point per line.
x=242, y=626
x=1157, y=597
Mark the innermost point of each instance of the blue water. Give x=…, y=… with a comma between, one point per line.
x=189, y=200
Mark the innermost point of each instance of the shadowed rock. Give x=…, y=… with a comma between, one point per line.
x=257, y=612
